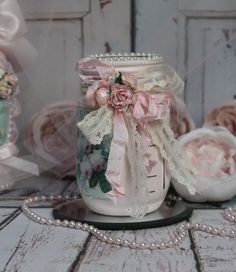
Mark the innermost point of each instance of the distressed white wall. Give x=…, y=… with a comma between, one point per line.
x=198, y=38
x=195, y=37
x=63, y=32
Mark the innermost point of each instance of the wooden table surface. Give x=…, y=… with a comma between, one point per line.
x=26, y=246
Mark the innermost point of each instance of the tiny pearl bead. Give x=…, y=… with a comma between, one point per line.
x=43, y=221
x=133, y=245
x=142, y=246
x=91, y=228
x=209, y=229
x=162, y=245
x=196, y=226
x=94, y=231
x=152, y=246
x=232, y=233
x=104, y=237
x=176, y=241
x=43, y=198
x=58, y=222
x=223, y=233
x=215, y=231
x=229, y=209
x=51, y=198
x=72, y=224
x=59, y=197
x=50, y=222
x=203, y=227
x=84, y=226
x=170, y=244
x=78, y=225
x=110, y=240
x=117, y=241
x=189, y=225
x=65, y=223
x=125, y=243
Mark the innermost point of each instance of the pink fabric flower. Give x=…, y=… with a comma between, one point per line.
x=52, y=136
x=180, y=120
x=97, y=94
x=121, y=96
x=211, y=156
x=223, y=115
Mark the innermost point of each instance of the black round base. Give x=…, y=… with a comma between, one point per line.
x=169, y=213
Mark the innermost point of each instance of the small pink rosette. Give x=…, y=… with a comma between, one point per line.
x=211, y=154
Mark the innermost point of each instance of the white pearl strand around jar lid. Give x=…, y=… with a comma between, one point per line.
x=181, y=230
x=128, y=58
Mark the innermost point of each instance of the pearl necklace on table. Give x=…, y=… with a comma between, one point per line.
x=181, y=230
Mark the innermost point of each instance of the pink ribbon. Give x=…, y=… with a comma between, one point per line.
x=145, y=108
x=19, y=51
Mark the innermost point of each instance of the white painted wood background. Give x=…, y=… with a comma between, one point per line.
x=196, y=37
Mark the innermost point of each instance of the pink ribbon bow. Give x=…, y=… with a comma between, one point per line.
x=127, y=102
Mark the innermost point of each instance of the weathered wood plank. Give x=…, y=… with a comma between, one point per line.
x=214, y=253
x=102, y=257
x=28, y=246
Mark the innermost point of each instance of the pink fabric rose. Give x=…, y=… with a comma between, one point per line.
x=210, y=153
x=223, y=115
x=121, y=96
x=97, y=94
x=211, y=157
x=52, y=136
x=180, y=120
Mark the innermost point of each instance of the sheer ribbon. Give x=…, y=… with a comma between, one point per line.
x=18, y=50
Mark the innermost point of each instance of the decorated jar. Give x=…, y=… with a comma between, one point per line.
x=125, y=156
x=9, y=109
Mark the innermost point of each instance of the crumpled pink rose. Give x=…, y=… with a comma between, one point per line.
x=210, y=153
x=180, y=120
x=223, y=115
x=121, y=96
x=52, y=136
x=211, y=157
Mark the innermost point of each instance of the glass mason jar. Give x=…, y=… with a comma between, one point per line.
x=121, y=172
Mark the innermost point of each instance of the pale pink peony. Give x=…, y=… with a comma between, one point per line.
x=180, y=120
x=211, y=156
x=223, y=115
x=121, y=96
x=52, y=136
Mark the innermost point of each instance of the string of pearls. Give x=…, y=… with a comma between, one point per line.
x=128, y=58
x=181, y=230
x=5, y=187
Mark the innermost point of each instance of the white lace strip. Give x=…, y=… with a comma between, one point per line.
x=172, y=155
x=138, y=171
x=97, y=124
